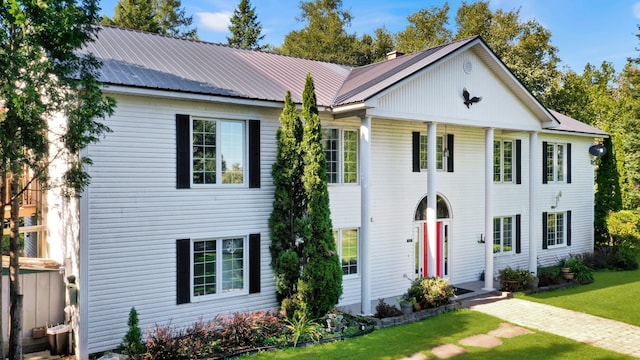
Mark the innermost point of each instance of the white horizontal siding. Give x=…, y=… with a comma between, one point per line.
x=136, y=214
x=436, y=95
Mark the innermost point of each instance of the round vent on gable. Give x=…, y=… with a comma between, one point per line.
x=467, y=66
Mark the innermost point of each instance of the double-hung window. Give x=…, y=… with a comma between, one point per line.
x=555, y=235
x=440, y=153
x=218, y=151
x=503, y=161
x=555, y=162
x=218, y=266
x=347, y=244
x=503, y=234
x=341, y=151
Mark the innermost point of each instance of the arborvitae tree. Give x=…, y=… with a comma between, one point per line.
x=322, y=273
x=245, y=27
x=132, y=345
x=288, y=203
x=608, y=197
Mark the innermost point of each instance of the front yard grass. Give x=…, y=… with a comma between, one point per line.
x=449, y=328
x=613, y=295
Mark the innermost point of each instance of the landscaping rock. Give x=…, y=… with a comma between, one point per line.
x=508, y=331
x=448, y=350
x=482, y=340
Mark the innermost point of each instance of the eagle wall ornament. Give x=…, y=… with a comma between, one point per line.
x=468, y=100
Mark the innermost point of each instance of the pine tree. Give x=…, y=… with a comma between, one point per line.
x=322, y=273
x=245, y=27
x=132, y=345
x=288, y=203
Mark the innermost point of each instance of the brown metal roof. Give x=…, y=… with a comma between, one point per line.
x=146, y=60
x=573, y=125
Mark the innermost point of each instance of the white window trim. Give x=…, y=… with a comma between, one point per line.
x=564, y=230
x=444, y=151
x=219, y=294
x=339, y=249
x=554, y=169
x=341, y=164
x=245, y=155
x=513, y=162
x=513, y=236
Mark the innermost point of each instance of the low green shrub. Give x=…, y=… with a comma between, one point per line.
x=431, y=292
x=513, y=280
x=384, y=310
x=626, y=257
x=624, y=227
x=549, y=275
x=581, y=272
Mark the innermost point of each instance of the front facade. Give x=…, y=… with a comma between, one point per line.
x=175, y=221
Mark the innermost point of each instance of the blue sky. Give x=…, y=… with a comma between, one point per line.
x=583, y=30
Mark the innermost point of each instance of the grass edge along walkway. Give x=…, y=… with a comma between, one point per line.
x=420, y=337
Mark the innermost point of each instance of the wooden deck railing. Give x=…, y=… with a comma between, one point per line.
x=29, y=199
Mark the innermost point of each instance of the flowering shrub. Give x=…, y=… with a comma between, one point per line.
x=431, y=292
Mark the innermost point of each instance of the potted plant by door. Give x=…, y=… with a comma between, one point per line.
x=407, y=304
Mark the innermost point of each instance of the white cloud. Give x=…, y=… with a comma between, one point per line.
x=636, y=10
x=215, y=21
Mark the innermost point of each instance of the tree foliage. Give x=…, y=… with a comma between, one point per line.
x=303, y=250
x=608, y=197
x=325, y=38
x=43, y=75
x=165, y=17
x=427, y=28
x=322, y=272
x=289, y=202
x=246, y=31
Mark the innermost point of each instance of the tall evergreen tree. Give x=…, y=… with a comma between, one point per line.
x=608, y=197
x=43, y=72
x=245, y=27
x=288, y=204
x=322, y=273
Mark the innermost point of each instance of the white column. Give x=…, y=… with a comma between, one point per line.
x=431, y=199
x=365, y=213
x=534, y=177
x=488, y=210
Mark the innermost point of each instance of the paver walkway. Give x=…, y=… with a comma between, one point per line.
x=604, y=333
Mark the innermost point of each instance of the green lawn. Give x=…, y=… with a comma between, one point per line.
x=613, y=295
x=400, y=341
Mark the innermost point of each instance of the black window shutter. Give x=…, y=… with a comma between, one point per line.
x=254, y=263
x=545, y=168
x=183, y=152
x=518, y=234
x=450, y=148
x=183, y=271
x=568, y=163
x=416, y=151
x=544, y=230
x=254, y=153
x=518, y=161
x=569, y=228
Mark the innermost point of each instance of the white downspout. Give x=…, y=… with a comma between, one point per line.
x=365, y=213
x=488, y=210
x=533, y=178
x=431, y=198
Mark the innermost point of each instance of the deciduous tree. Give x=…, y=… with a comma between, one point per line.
x=165, y=17
x=44, y=77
